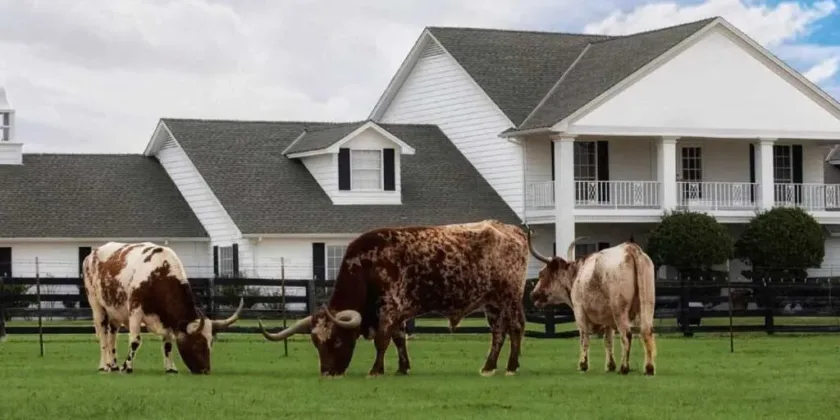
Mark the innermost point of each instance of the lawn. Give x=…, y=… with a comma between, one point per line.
x=767, y=377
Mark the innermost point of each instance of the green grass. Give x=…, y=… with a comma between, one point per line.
x=767, y=377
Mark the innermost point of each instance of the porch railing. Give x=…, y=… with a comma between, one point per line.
x=617, y=194
x=717, y=195
x=808, y=196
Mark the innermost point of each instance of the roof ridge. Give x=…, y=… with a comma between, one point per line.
x=667, y=28
x=521, y=31
x=125, y=154
x=234, y=120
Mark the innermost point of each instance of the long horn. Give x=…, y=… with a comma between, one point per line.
x=570, y=252
x=200, y=327
x=224, y=323
x=354, y=321
x=534, y=252
x=297, y=327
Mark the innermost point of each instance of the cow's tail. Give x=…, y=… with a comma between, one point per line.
x=646, y=287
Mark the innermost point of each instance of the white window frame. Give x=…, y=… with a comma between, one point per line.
x=226, y=261
x=701, y=169
x=333, y=254
x=356, y=152
x=590, y=166
x=5, y=126
x=786, y=165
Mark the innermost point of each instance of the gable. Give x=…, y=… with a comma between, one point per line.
x=718, y=84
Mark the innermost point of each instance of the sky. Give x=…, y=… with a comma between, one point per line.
x=95, y=76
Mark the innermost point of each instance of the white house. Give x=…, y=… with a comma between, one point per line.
x=591, y=135
x=576, y=134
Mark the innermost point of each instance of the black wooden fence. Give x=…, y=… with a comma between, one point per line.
x=682, y=306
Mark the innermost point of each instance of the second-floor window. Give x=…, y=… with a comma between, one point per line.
x=365, y=169
x=335, y=253
x=586, y=161
x=5, y=126
x=782, y=164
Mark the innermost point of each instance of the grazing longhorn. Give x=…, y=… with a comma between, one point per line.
x=606, y=290
x=134, y=283
x=390, y=275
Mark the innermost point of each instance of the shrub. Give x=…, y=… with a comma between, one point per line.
x=690, y=242
x=781, y=242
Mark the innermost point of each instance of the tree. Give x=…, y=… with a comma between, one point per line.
x=781, y=242
x=691, y=242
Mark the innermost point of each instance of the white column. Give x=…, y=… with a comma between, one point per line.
x=564, y=192
x=764, y=173
x=666, y=155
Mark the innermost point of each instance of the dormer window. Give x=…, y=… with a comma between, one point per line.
x=365, y=170
x=5, y=126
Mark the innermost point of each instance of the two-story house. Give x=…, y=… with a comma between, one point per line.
x=593, y=135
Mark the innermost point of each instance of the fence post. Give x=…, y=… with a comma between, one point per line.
x=211, y=296
x=310, y=296
x=2, y=311
x=283, y=301
x=550, y=325
x=769, y=301
x=38, y=292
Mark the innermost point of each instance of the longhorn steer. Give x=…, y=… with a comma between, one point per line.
x=390, y=275
x=130, y=284
x=606, y=290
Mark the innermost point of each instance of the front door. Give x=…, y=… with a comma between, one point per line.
x=691, y=172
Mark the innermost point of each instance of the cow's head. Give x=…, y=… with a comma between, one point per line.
x=554, y=284
x=195, y=339
x=334, y=336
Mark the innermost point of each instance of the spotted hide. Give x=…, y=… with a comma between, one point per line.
x=130, y=284
x=391, y=275
x=607, y=290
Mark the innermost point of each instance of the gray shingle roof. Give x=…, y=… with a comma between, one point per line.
x=316, y=139
x=518, y=69
x=265, y=192
x=92, y=196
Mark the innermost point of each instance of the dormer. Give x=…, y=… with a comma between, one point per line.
x=355, y=163
x=11, y=151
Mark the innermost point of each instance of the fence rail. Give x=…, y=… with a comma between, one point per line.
x=687, y=303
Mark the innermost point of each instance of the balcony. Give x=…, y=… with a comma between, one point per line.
x=694, y=196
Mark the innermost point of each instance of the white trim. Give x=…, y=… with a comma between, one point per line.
x=106, y=239
x=596, y=130
x=522, y=133
x=833, y=106
x=381, y=186
x=153, y=146
x=263, y=236
x=399, y=77
x=405, y=148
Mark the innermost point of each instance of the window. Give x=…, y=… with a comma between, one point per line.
x=5, y=126
x=226, y=261
x=582, y=250
x=335, y=253
x=586, y=161
x=365, y=169
x=782, y=164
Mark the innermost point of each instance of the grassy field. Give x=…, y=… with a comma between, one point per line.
x=767, y=377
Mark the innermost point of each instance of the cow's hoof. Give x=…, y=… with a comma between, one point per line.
x=403, y=372
x=103, y=370
x=611, y=366
x=510, y=373
x=487, y=373
x=649, y=370
x=625, y=369
x=371, y=375
x=583, y=366
x=171, y=371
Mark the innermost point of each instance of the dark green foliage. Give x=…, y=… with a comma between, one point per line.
x=11, y=293
x=783, y=241
x=691, y=242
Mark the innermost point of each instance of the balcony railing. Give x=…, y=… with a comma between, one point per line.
x=717, y=195
x=808, y=196
x=598, y=194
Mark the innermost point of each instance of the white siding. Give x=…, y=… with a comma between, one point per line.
x=200, y=198
x=630, y=159
x=11, y=153
x=324, y=168
x=831, y=261
x=714, y=84
x=438, y=91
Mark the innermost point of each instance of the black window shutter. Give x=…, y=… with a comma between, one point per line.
x=552, y=160
x=6, y=262
x=235, y=252
x=554, y=248
x=215, y=261
x=319, y=269
x=84, y=251
x=603, y=170
x=752, y=172
x=603, y=245
x=796, y=163
x=389, y=178
x=343, y=169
